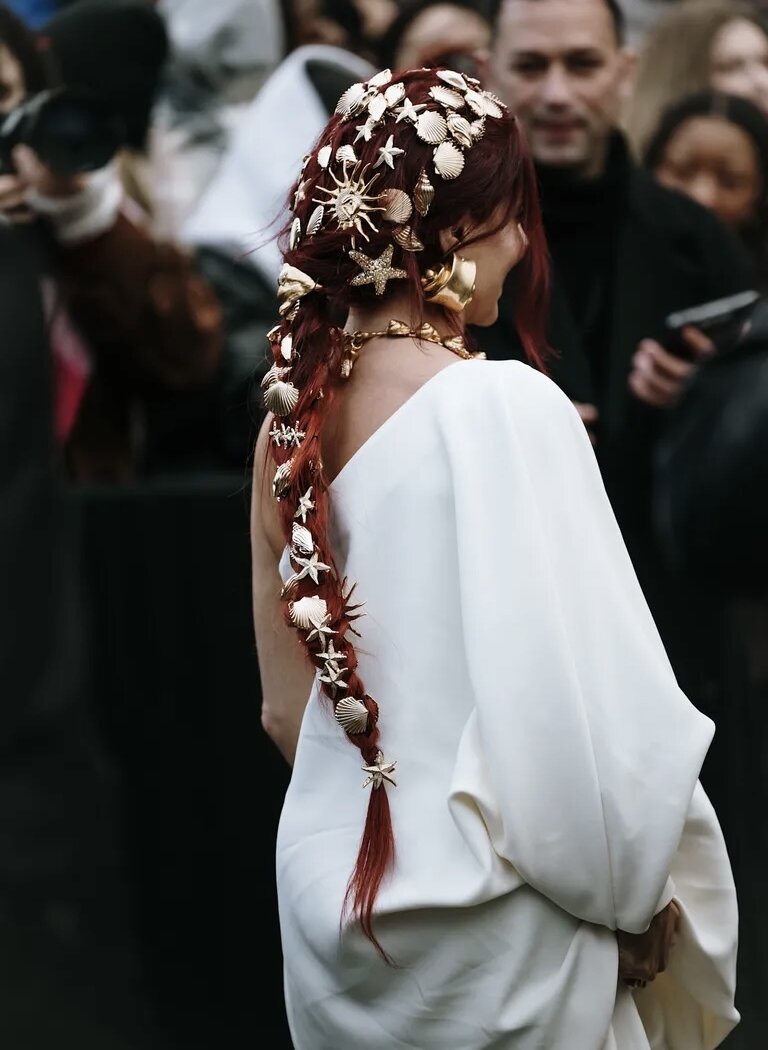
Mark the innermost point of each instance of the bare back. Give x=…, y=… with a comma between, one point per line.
x=386, y=375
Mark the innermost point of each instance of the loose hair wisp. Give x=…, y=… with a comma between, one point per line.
x=401, y=160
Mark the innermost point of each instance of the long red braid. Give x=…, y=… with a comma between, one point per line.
x=498, y=184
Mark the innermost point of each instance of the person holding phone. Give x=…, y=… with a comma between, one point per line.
x=625, y=252
x=714, y=148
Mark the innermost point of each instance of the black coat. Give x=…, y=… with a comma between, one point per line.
x=670, y=254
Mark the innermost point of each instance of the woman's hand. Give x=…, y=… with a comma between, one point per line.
x=642, y=956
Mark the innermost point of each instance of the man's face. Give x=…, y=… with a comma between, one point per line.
x=558, y=66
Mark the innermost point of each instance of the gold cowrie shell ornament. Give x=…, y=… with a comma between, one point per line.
x=324, y=156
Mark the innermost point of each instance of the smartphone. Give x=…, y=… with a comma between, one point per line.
x=724, y=321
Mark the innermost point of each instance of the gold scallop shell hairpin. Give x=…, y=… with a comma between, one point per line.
x=452, y=120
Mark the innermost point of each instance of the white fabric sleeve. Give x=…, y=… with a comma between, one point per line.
x=85, y=215
x=589, y=751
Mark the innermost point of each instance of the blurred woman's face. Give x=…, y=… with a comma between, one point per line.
x=716, y=163
x=441, y=29
x=12, y=86
x=739, y=62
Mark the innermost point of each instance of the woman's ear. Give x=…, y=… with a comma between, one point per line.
x=450, y=238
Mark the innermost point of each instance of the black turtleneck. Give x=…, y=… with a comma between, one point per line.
x=582, y=218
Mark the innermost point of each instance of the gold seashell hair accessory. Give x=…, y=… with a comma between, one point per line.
x=397, y=206
x=282, y=479
x=423, y=194
x=292, y=285
x=431, y=127
x=394, y=95
x=351, y=101
x=352, y=715
x=461, y=130
x=484, y=104
x=274, y=375
x=446, y=97
x=295, y=234
x=478, y=128
x=301, y=538
x=382, y=78
x=315, y=220
x=377, y=107
x=449, y=160
x=281, y=398
x=453, y=79
x=308, y=612
x=408, y=240
x=346, y=155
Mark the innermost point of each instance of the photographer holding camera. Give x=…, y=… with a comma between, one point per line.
x=130, y=322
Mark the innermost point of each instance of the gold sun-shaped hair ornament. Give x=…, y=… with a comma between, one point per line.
x=351, y=202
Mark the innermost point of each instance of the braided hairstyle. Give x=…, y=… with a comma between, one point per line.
x=383, y=185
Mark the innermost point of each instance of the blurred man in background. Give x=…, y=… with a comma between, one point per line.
x=625, y=253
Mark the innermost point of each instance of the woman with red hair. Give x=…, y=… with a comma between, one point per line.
x=439, y=582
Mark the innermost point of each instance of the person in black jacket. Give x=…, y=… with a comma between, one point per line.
x=626, y=252
x=69, y=970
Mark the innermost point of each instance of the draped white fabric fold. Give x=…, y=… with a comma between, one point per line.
x=592, y=749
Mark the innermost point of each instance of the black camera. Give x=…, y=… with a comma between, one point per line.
x=70, y=131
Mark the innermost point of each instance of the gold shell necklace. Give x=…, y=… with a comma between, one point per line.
x=355, y=341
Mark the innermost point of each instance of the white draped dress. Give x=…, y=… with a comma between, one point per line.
x=547, y=761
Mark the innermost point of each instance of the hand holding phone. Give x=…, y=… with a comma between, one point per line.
x=658, y=377
x=721, y=321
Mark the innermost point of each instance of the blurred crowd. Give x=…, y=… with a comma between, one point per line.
x=147, y=154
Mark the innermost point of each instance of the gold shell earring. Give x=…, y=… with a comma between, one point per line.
x=453, y=285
